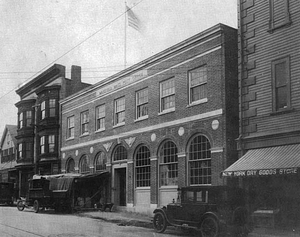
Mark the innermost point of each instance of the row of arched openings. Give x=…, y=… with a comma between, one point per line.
x=198, y=158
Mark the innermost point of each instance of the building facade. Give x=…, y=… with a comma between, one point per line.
x=269, y=71
x=38, y=133
x=166, y=122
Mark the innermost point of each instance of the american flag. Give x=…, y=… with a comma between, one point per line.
x=133, y=21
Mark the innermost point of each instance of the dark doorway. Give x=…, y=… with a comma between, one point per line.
x=120, y=179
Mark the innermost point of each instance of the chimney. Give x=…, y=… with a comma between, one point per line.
x=76, y=78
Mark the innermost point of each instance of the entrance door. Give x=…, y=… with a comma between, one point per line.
x=120, y=179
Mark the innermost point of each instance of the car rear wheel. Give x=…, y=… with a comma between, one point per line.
x=209, y=227
x=159, y=222
x=36, y=206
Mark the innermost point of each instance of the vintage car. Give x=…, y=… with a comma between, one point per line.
x=212, y=210
x=63, y=192
x=6, y=192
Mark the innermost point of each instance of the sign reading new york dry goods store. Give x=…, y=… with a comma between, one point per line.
x=260, y=172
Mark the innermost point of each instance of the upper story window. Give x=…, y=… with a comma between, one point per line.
x=100, y=117
x=21, y=120
x=142, y=103
x=42, y=145
x=47, y=144
x=119, y=109
x=28, y=149
x=281, y=84
x=52, y=107
x=43, y=110
x=167, y=95
x=197, y=84
x=279, y=14
x=28, y=118
x=84, y=121
x=20, y=151
x=51, y=143
x=70, y=127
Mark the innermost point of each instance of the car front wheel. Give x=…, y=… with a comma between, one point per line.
x=20, y=205
x=159, y=222
x=209, y=227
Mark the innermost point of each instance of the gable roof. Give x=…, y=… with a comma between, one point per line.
x=12, y=130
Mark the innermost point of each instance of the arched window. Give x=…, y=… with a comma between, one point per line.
x=100, y=161
x=70, y=167
x=142, y=167
x=84, y=164
x=168, y=164
x=199, y=161
x=120, y=153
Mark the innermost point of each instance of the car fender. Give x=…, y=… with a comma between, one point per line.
x=163, y=211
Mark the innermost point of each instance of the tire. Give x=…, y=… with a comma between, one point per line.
x=20, y=205
x=159, y=222
x=36, y=206
x=209, y=227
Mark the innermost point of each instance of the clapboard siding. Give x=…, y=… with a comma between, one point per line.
x=269, y=46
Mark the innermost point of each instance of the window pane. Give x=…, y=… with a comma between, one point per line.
x=168, y=164
x=142, y=169
x=120, y=153
x=100, y=162
x=51, y=141
x=84, y=165
x=52, y=105
x=200, y=161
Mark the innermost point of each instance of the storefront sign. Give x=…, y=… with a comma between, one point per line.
x=262, y=172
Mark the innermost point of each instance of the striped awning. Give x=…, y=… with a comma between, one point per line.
x=279, y=160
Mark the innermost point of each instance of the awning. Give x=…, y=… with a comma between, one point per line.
x=279, y=160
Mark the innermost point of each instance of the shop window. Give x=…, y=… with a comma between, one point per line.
x=120, y=153
x=281, y=84
x=167, y=95
x=70, y=125
x=168, y=167
x=84, y=120
x=84, y=166
x=142, y=167
x=100, y=117
x=119, y=108
x=279, y=14
x=199, y=161
x=198, y=85
x=142, y=104
x=100, y=162
x=70, y=166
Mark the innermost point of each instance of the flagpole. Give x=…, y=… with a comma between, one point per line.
x=125, y=35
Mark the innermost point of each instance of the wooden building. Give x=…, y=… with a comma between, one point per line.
x=269, y=105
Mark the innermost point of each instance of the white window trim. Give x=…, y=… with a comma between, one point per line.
x=161, y=97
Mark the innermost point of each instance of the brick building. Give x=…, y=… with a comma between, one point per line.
x=38, y=134
x=166, y=122
x=269, y=71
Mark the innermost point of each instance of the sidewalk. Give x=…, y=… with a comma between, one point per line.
x=140, y=220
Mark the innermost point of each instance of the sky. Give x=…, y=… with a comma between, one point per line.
x=35, y=34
